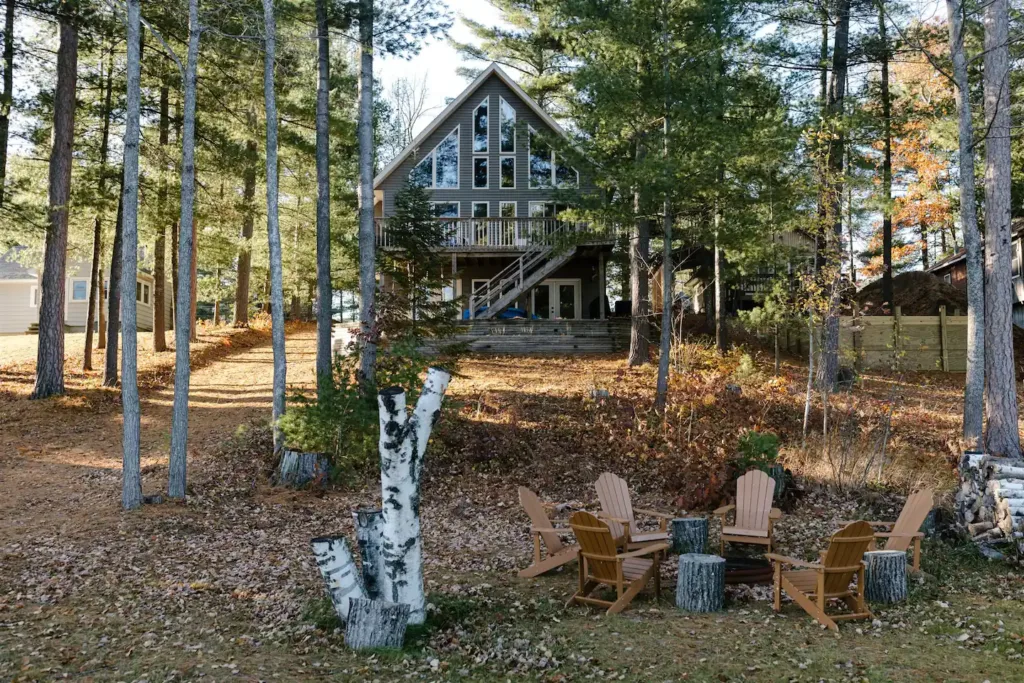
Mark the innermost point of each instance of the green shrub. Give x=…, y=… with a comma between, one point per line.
x=757, y=450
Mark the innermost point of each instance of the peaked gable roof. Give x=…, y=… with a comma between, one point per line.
x=492, y=70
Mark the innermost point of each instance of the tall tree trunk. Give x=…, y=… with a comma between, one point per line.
x=101, y=325
x=95, y=284
x=667, y=297
x=216, y=297
x=248, y=220
x=160, y=245
x=7, y=96
x=924, y=245
x=834, y=194
x=721, y=342
x=640, y=329
x=974, y=386
x=367, y=244
x=324, y=293
x=1002, y=436
x=131, y=481
x=50, y=355
x=887, y=294
x=114, y=298
x=273, y=226
x=194, y=278
x=182, y=314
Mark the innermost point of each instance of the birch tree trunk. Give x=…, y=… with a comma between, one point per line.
x=974, y=386
x=403, y=443
x=324, y=293
x=131, y=478
x=367, y=237
x=160, y=244
x=338, y=569
x=95, y=283
x=1002, y=436
x=50, y=354
x=640, y=329
x=273, y=225
x=114, y=297
x=721, y=343
x=7, y=95
x=182, y=314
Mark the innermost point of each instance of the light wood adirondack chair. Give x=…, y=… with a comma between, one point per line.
x=755, y=515
x=906, y=530
x=542, y=529
x=601, y=563
x=818, y=582
x=617, y=512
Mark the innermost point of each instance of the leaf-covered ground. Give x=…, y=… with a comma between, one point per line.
x=224, y=587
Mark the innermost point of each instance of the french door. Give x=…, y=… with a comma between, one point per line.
x=557, y=300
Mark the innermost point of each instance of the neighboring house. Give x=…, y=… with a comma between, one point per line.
x=953, y=269
x=493, y=179
x=20, y=291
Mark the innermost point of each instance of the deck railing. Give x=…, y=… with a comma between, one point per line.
x=508, y=234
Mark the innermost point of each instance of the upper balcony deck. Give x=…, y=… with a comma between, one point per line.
x=510, y=234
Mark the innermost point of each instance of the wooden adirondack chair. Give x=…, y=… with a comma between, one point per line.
x=818, y=582
x=617, y=512
x=542, y=529
x=601, y=563
x=755, y=515
x=906, y=530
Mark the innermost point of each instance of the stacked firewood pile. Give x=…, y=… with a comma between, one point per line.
x=990, y=503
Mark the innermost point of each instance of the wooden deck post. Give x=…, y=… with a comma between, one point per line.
x=943, y=341
x=602, y=285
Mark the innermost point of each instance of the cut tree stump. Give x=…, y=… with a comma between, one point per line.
x=298, y=469
x=338, y=568
x=885, y=579
x=375, y=624
x=689, y=535
x=701, y=583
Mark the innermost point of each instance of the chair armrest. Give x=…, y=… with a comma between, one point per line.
x=888, y=525
x=546, y=530
x=654, y=513
x=724, y=510
x=782, y=559
x=647, y=550
x=775, y=513
x=603, y=515
x=891, y=534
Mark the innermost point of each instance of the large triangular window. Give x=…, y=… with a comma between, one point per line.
x=439, y=169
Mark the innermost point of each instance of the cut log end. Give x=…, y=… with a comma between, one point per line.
x=297, y=469
x=885, y=579
x=689, y=535
x=701, y=583
x=374, y=624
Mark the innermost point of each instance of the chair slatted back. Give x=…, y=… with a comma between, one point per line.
x=613, y=493
x=917, y=507
x=754, y=493
x=539, y=518
x=597, y=544
x=846, y=549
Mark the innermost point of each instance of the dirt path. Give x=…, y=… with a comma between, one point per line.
x=62, y=457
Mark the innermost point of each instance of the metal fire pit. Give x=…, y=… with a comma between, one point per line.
x=748, y=570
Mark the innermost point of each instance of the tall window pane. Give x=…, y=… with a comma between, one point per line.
x=480, y=173
x=507, y=126
x=565, y=176
x=447, y=154
x=508, y=172
x=423, y=174
x=540, y=163
x=480, y=128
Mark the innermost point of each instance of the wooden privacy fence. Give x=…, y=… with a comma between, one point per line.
x=914, y=342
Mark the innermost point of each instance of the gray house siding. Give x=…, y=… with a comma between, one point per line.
x=466, y=195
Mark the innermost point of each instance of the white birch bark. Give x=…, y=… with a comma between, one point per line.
x=661, y=396
x=370, y=539
x=273, y=225
x=974, y=386
x=325, y=295
x=183, y=320
x=403, y=443
x=367, y=237
x=338, y=567
x=1002, y=436
x=131, y=478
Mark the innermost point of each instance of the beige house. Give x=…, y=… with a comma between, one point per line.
x=20, y=291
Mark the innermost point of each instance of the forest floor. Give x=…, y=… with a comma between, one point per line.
x=224, y=587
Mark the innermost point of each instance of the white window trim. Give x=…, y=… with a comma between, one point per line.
x=530, y=205
x=500, y=159
x=72, y=297
x=554, y=168
x=473, y=210
x=486, y=101
x=515, y=208
x=555, y=175
x=515, y=133
x=472, y=284
x=458, y=204
x=433, y=154
x=33, y=294
x=486, y=158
